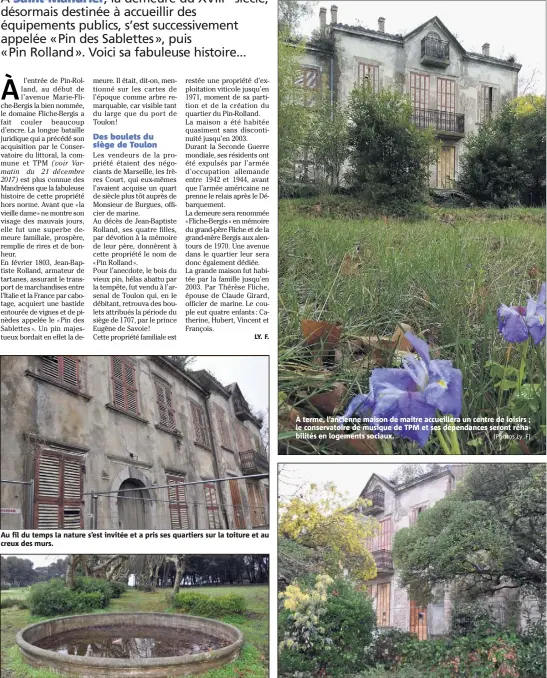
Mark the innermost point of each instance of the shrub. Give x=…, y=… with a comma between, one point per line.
x=94, y=585
x=205, y=605
x=118, y=587
x=53, y=598
x=471, y=619
x=388, y=646
x=389, y=156
x=13, y=602
x=531, y=653
x=326, y=628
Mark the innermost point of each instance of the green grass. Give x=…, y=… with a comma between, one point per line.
x=252, y=663
x=445, y=280
x=20, y=592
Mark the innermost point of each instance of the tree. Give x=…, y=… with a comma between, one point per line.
x=407, y=472
x=321, y=521
x=488, y=535
x=389, y=156
x=504, y=164
x=291, y=12
x=327, y=140
x=293, y=115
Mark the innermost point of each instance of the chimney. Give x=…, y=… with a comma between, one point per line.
x=323, y=20
x=333, y=14
x=486, y=49
x=381, y=25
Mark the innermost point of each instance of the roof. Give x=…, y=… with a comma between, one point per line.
x=375, y=477
x=397, y=37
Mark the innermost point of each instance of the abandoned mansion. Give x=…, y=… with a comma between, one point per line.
x=453, y=91
x=127, y=442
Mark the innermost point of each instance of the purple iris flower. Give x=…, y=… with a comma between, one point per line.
x=409, y=397
x=518, y=323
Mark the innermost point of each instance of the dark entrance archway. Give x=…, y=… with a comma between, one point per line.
x=133, y=507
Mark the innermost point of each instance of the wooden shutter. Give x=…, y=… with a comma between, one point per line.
x=58, y=491
x=446, y=95
x=418, y=620
x=237, y=504
x=368, y=75
x=63, y=368
x=446, y=167
x=383, y=604
x=200, y=425
x=258, y=515
x=211, y=502
x=165, y=405
x=178, y=507
x=124, y=384
x=223, y=427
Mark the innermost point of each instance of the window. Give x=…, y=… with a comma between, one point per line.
x=310, y=81
x=258, y=514
x=62, y=368
x=368, y=75
x=486, y=103
x=223, y=427
x=211, y=502
x=178, y=507
x=419, y=91
x=446, y=95
x=243, y=439
x=124, y=384
x=165, y=405
x=256, y=444
x=200, y=425
x=382, y=541
x=58, y=488
x=415, y=512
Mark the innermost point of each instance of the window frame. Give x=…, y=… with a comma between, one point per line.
x=256, y=503
x=212, y=506
x=180, y=503
x=415, y=85
x=166, y=410
x=200, y=429
x=309, y=93
x=63, y=361
x=61, y=502
x=363, y=66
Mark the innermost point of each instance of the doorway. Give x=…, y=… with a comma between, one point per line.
x=418, y=620
x=446, y=167
x=132, y=505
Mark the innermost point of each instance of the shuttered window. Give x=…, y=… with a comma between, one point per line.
x=211, y=503
x=223, y=427
x=165, y=405
x=200, y=425
x=486, y=103
x=124, y=384
x=368, y=75
x=415, y=512
x=310, y=81
x=243, y=438
x=383, y=540
x=258, y=514
x=446, y=95
x=178, y=507
x=62, y=368
x=58, y=488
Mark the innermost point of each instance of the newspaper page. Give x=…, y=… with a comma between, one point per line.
x=138, y=153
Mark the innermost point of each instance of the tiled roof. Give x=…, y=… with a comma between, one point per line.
x=362, y=29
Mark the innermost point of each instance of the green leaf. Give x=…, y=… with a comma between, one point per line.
x=506, y=385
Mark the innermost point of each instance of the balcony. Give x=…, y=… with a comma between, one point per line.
x=444, y=123
x=253, y=462
x=435, y=52
x=377, y=503
x=384, y=561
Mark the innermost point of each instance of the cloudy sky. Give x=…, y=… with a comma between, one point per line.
x=250, y=372
x=511, y=26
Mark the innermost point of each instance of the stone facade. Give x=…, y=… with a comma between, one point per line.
x=451, y=89
x=117, y=427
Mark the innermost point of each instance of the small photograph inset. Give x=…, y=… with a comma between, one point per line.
x=135, y=615
x=134, y=442
x=411, y=570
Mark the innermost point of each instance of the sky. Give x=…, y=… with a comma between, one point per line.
x=510, y=26
x=349, y=478
x=250, y=372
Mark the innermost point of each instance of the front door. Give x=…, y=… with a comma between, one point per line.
x=446, y=167
x=418, y=620
x=131, y=505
